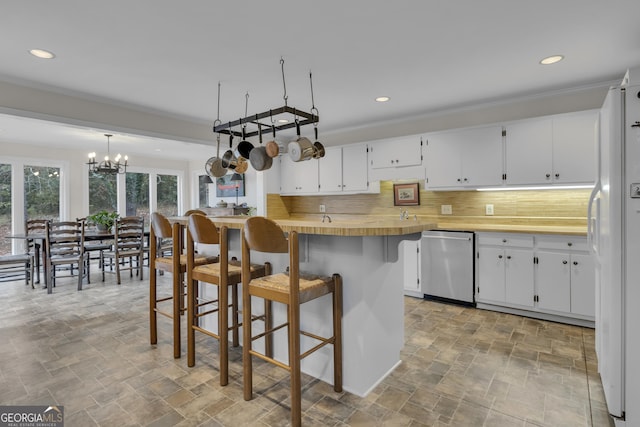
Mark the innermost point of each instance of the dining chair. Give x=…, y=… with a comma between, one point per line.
x=65, y=251
x=16, y=266
x=195, y=212
x=223, y=274
x=35, y=227
x=128, y=246
x=162, y=231
x=95, y=244
x=292, y=288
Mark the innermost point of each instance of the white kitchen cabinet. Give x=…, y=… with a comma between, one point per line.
x=565, y=279
x=411, y=255
x=556, y=149
x=505, y=269
x=330, y=170
x=344, y=169
x=298, y=177
x=464, y=158
x=396, y=152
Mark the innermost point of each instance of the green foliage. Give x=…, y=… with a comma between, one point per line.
x=103, y=218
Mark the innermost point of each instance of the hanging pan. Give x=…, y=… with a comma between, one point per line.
x=244, y=146
x=300, y=149
x=273, y=147
x=214, y=167
x=229, y=160
x=258, y=157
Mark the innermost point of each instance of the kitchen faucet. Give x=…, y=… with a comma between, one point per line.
x=326, y=216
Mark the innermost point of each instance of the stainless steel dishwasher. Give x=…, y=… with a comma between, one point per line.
x=447, y=266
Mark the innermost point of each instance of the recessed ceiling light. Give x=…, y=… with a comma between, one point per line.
x=283, y=121
x=551, y=59
x=382, y=99
x=42, y=54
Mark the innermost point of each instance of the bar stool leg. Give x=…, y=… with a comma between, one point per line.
x=337, y=333
x=294, y=364
x=153, y=316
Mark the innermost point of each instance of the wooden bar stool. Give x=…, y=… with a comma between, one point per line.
x=224, y=274
x=293, y=289
x=176, y=264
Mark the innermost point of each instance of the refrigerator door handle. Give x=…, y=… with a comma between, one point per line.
x=593, y=225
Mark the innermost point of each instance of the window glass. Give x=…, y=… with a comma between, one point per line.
x=203, y=191
x=5, y=208
x=42, y=192
x=167, y=194
x=138, y=195
x=103, y=192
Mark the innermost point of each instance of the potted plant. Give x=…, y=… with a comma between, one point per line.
x=103, y=220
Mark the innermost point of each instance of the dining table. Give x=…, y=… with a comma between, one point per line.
x=41, y=238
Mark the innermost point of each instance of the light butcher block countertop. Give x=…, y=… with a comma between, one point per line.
x=366, y=227
x=371, y=226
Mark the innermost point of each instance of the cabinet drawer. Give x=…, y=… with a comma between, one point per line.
x=506, y=240
x=564, y=243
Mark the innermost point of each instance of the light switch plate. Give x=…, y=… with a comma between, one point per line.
x=488, y=209
x=635, y=191
x=446, y=209
x=323, y=208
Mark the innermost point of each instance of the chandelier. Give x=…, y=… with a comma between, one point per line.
x=108, y=166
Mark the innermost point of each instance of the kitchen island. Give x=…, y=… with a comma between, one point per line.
x=366, y=255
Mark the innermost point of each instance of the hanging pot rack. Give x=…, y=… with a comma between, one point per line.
x=300, y=118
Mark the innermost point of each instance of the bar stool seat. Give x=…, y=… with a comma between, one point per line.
x=292, y=288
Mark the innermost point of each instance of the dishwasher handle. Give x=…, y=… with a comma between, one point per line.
x=427, y=236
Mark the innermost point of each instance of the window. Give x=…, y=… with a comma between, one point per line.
x=137, y=185
x=103, y=192
x=5, y=208
x=167, y=194
x=41, y=192
x=203, y=191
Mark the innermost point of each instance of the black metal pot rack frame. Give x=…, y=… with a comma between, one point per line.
x=301, y=118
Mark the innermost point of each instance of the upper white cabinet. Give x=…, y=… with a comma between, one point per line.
x=551, y=150
x=396, y=152
x=344, y=169
x=298, y=177
x=464, y=158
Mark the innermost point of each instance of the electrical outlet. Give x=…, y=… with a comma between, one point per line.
x=445, y=209
x=488, y=209
x=323, y=208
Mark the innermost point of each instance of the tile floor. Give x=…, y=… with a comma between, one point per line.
x=90, y=352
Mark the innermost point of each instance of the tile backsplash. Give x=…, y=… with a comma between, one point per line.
x=561, y=205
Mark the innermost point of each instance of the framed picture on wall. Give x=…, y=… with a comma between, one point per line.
x=406, y=194
x=226, y=187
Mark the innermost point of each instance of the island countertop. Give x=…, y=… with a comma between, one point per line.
x=366, y=227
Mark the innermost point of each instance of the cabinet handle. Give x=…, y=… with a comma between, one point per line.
x=508, y=256
x=557, y=175
x=458, y=179
x=504, y=240
x=564, y=261
x=466, y=180
x=548, y=175
x=499, y=256
x=569, y=244
x=575, y=262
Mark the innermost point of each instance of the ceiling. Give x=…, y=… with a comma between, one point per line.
x=167, y=57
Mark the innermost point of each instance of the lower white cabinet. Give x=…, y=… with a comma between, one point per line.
x=505, y=269
x=565, y=275
x=549, y=276
x=411, y=255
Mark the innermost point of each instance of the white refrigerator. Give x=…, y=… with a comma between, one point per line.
x=614, y=232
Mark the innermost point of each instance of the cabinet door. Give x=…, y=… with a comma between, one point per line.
x=554, y=281
x=442, y=158
x=583, y=285
x=330, y=170
x=298, y=177
x=574, y=144
x=354, y=168
x=481, y=154
x=411, y=266
x=528, y=152
x=519, y=285
x=396, y=152
x=491, y=275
